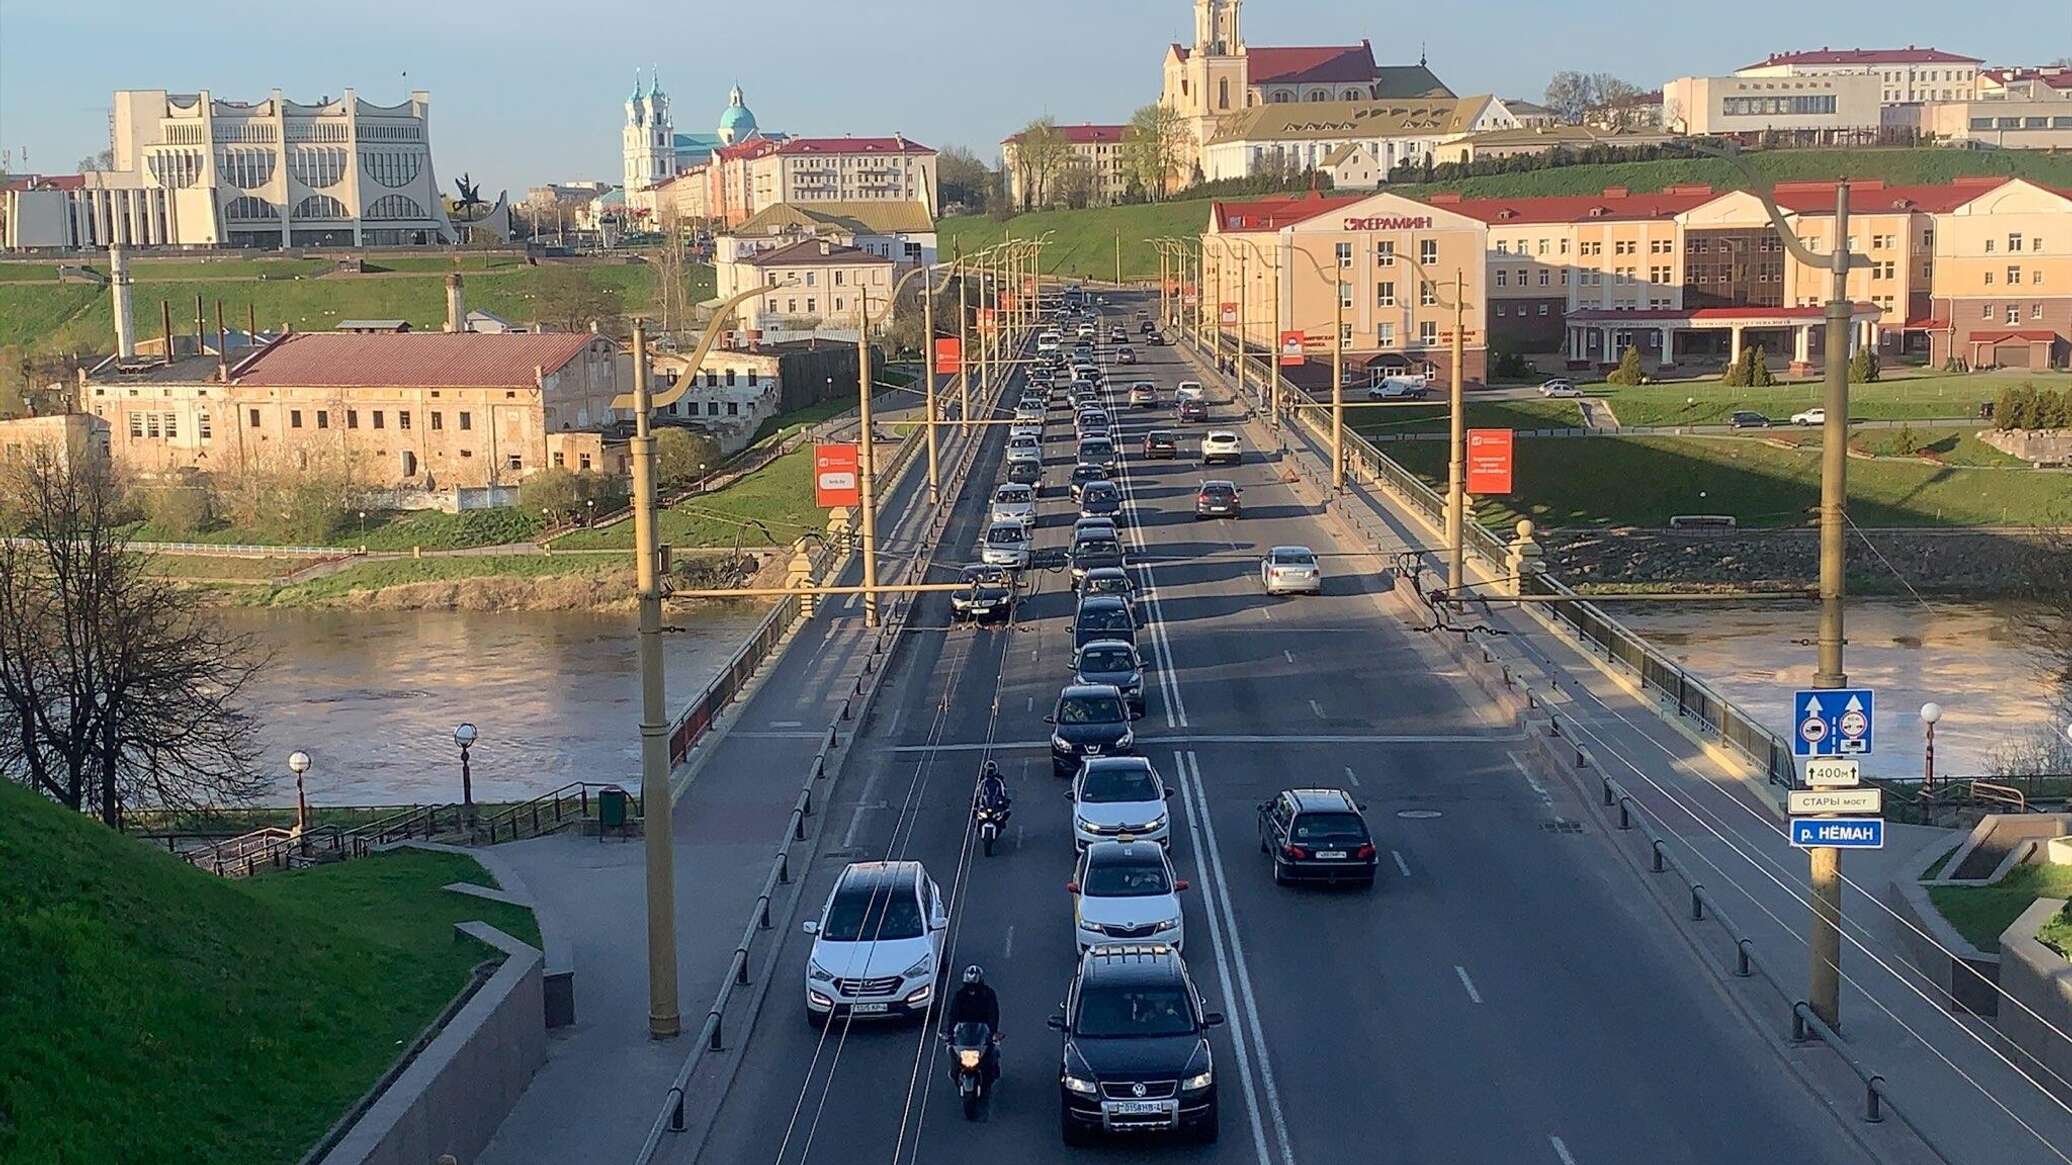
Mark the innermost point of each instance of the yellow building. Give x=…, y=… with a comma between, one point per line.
x=1095, y=149
x=815, y=289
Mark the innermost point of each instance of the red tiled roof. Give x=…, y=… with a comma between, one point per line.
x=1271, y=214
x=2055, y=78
x=1083, y=135
x=752, y=148
x=410, y=359
x=1614, y=203
x=2032, y=335
x=1594, y=315
x=1906, y=56
x=1303, y=64
x=810, y=251
x=891, y=145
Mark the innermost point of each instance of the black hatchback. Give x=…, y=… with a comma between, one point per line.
x=1103, y=617
x=1317, y=835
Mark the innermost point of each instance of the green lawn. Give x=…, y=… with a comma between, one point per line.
x=1708, y=402
x=1083, y=242
x=27, y=272
x=395, y=572
x=221, y=567
x=1949, y=446
x=771, y=507
x=1980, y=913
x=2057, y=933
x=1642, y=481
x=1492, y=414
x=155, y=1012
x=384, y=530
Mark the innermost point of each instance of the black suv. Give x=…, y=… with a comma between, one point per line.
x=1317, y=835
x=1112, y=661
x=988, y=593
x=1084, y=473
x=1103, y=617
x=1090, y=720
x=1136, y=1056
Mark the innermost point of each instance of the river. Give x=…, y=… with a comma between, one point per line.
x=1968, y=657
x=373, y=697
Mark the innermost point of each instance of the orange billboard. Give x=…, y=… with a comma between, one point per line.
x=1291, y=348
x=836, y=481
x=1489, y=461
x=949, y=356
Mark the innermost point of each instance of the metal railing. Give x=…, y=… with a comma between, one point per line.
x=712, y=1032
x=545, y=813
x=276, y=847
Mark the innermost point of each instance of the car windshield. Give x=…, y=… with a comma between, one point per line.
x=1125, y=1012
x=1013, y=494
x=1109, y=786
x=1329, y=827
x=1294, y=558
x=1089, y=547
x=1159, y=438
x=862, y=914
x=1089, y=473
x=1101, y=492
x=1090, y=710
x=1006, y=536
x=1110, y=584
x=1133, y=878
x=1106, y=659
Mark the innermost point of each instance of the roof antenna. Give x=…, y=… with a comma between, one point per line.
x=1421, y=62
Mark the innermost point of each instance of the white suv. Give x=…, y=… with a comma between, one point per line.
x=1125, y=891
x=1119, y=796
x=1221, y=445
x=877, y=945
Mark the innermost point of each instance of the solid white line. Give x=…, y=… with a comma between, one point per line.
x=1220, y=898
x=1032, y=703
x=851, y=604
x=1561, y=1150
x=1400, y=863
x=1317, y=708
x=1468, y=983
x=1352, y=776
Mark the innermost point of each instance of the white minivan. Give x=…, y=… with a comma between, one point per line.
x=1007, y=544
x=877, y=945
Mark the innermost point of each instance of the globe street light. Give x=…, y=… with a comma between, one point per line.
x=464, y=735
x=1930, y=713
x=298, y=763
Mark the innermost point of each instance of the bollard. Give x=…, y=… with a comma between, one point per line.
x=1799, y=1034
x=1872, y=1111
x=1625, y=818
x=1608, y=792
x=806, y=801
x=798, y=827
x=1698, y=902
x=717, y=1043
x=1582, y=759
x=1741, y=967
x=1656, y=846
x=783, y=867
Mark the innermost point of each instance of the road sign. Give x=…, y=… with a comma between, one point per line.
x=1809, y=802
x=1832, y=774
x=835, y=479
x=1832, y=722
x=949, y=356
x=1291, y=348
x=1489, y=461
x=1838, y=832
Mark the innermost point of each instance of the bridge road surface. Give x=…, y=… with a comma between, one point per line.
x=1514, y=997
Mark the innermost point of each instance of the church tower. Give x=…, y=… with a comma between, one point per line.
x=648, y=142
x=1218, y=62
x=1216, y=28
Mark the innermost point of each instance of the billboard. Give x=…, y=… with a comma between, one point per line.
x=949, y=356
x=986, y=320
x=1291, y=348
x=1229, y=315
x=1489, y=461
x=836, y=481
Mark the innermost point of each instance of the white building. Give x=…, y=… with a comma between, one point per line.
x=189, y=170
x=1904, y=75
x=1306, y=135
x=653, y=152
x=1834, y=103
x=900, y=231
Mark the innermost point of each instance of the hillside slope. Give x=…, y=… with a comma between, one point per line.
x=156, y=1013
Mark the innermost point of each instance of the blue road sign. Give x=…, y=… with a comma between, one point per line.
x=1832, y=722
x=1838, y=832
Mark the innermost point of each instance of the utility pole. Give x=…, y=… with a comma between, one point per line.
x=1457, y=445
x=1273, y=366
x=963, y=343
x=1118, y=257
x=1244, y=300
x=664, y=1019
x=928, y=380
x=1338, y=398
x=866, y=459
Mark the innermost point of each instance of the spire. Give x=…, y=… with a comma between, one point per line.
x=636, y=84
x=1421, y=61
x=655, y=81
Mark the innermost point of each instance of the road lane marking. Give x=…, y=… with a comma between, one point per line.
x=1317, y=708
x=787, y=723
x=1287, y=655
x=1352, y=776
x=1007, y=944
x=1032, y=703
x=1400, y=863
x=1220, y=893
x=1561, y=1150
x=1468, y=983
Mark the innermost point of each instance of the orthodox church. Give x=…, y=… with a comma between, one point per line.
x=653, y=151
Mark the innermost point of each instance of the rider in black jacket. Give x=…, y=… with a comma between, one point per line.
x=975, y=1002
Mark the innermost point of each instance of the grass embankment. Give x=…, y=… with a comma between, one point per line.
x=1700, y=402
x=1643, y=481
x=223, y=568
x=345, y=586
x=1981, y=913
x=384, y=530
x=157, y=1013
x=1481, y=414
x=1083, y=245
x=771, y=507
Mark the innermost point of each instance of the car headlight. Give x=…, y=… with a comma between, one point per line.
x=1198, y=1081
x=1126, y=739
x=1083, y=1087
x=1060, y=743
x=816, y=971
x=924, y=966
x=1158, y=822
x=1084, y=825
x=1166, y=924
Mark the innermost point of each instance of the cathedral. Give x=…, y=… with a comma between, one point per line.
x=1220, y=75
x=652, y=150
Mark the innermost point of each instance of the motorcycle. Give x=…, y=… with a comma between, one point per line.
x=990, y=822
x=971, y=1064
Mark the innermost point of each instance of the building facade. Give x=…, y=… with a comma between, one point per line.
x=817, y=289
x=1096, y=149
x=1835, y=104
x=1219, y=76
x=901, y=232
x=1290, y=136
x=192, y=170
x=1903, y=75
x=653, y=154
x=2009, y=109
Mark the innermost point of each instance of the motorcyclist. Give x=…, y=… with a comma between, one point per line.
x=975, y=1002
x=992, y=792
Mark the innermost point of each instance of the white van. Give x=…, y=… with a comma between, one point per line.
x=1006, y=544
x=1400, y=388
x=1048, y=341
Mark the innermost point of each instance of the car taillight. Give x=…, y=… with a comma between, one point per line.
x=1364, y=852
x=1201, y=497
x=1298, y=853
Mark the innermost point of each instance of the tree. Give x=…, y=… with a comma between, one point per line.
x=1863, y=367
x=1906, y=442
x=116, y=691
x=964, y=178
x=682, y=456
x=1568, y=95
x=568, y=298
x=101, y=161
x=1040, y=153
x=1606, y=93
x=1151, y=144
x=563, y=493
x=1758, y=367
x=1075, y=184
x=1628, y=371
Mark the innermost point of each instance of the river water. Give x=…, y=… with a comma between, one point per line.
x=1969, y=657
x=373, y=697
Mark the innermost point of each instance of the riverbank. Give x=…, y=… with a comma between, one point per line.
x=1979, y=564
x=519, y=582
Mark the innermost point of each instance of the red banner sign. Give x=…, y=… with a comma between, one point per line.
x=1229, y=314
x=1489, y=461
x=986, y=320
x=949, y=356
x=836, y=481
x=1291, y=348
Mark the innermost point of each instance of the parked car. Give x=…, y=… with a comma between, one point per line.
x=1813, y=416
x=1400, y=388
x=1560, y=386
x=1748, y=419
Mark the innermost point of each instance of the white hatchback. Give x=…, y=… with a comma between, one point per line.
x=1125, y=891
x=1221, y=445
x=877, y=945
x=1015, y=503
x=1119, y=796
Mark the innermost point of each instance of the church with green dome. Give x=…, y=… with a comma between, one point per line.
x=652, y=149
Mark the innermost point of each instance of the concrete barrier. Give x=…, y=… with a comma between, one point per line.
x=454, y=1094
x=2040, y=980
x=1964, y=977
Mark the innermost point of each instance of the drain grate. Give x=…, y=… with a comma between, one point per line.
x=1562, y=825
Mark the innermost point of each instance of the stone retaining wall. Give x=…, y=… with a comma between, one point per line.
x=2040, y=980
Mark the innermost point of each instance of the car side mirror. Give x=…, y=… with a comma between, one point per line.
x=1179, y=884
x=810, y=926
x=1050, y=719
x=1138, y=714
x=1055, y=1023
x=1212, y=1019
x=1072, y=887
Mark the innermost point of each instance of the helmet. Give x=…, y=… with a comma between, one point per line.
x=991, y=770
x=974, y=974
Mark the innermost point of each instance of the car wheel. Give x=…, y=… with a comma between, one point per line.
x=1279, y=878
x=1069, y=1131
x=1206, y=1131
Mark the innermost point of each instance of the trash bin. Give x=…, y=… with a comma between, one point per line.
x=612, y=809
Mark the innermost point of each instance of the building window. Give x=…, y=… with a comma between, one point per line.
x=438, y=420
x=1428, y=250
x=1543, y=309
x=1985, y=311
x=514, y=463
x=1428, y=333
x=1499, y=309
x=1385, y=253
x=1543, y=246
x=2014, y=242
x=2014, y=275
x=323, y=419
x=403, y=419
x=1345, y=254
x=559, y=460
x=1345, y=294
x=172, y=425
x=136, y=426
x=467, y=421
x=1988, y=278
x=1385, y=335
x=1427, y=295
x=294, y=418
x=733, y=408
x=1385, y=294
x=1989, y=246
x=1543, y=276
x=376, y=416
x=352, y=419
x=252, y=418
x=202, y=428
x=1502, y=277
x=2035, y=311
x=2014, y=314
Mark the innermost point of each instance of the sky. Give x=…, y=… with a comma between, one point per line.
x=524, y=92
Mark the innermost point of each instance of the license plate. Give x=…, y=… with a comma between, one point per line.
x=1136, y=1107
x=1093, y=750
x=1331, y=853
x=870, y=1008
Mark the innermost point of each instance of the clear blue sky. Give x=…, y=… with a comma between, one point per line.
x=525, y=92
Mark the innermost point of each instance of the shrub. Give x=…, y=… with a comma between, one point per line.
x=2053, y=409
x=179, y=511
x=1863, y=367
x=1628, y=371
x=1905, y=443
x=683, y=455
x=1758, y=368
x=563, y=493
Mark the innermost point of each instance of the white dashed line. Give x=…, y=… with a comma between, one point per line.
x=1473, y=995
x=1317, y=708
x=1007, y=944
x=1287, y=655
x=1561, y=1150
x=1405, y=867
x=1352, y=776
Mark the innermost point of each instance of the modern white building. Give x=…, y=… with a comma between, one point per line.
x=191, y=170
x=1904, y=75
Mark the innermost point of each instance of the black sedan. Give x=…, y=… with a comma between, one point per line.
x=1748, y=419
x=1317, y=835
x=988, y=594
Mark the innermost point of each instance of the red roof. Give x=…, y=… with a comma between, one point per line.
x=2032, y=335
x=891, y=145
x=2055, y=78
x=45, y=182
x=752, y=148
x=1084, y=135
x=814, y=252
x=411, y=359
x=1614, y=203
x=1304, y=64
x=1271, y=214
x=1906, y=56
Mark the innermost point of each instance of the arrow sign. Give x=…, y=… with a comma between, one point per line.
x=1833, y=774
x=1834, y=722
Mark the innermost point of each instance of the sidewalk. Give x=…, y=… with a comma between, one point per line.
x=604, y=1079
x=1944, y=1070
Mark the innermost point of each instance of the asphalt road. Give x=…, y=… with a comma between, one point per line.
x=1506, y=994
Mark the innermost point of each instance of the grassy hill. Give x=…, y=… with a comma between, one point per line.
x=1083, y=242
x=156, y=1013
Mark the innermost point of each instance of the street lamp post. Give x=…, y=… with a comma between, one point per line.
x=464, y=735
x=1930, y=713
x=298, y=763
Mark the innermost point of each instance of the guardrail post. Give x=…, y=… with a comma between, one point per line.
x=1741, y=967
x=1698, y=902
x=1608, y=799
x=783, y=867
x=718, y=1041
x=1872, y=1111
x=741, y=965
x=1656, y=845
x=1625, y=817
x=763, y=913
x=1799, y=1034
x=676, y=1123
x=798, y=827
